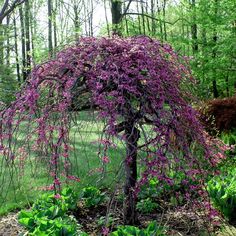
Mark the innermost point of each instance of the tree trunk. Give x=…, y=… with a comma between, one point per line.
x=153, y=16
x=16, y=51
x=143, y=19
x=107, y=22
x=214, y=54
x=22, y=23
x=1, y=43
x=139, y=20
x=132, y=136
x=116, y=7
x=8, y=41
x=27, y=37
x=164, y=18
x=91, y=18
x=55, y=25
x=50, y=44
x=160, y=23
x=76, y=20
x=148, y=23
x=194, y=28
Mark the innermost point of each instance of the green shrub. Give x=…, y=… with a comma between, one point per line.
x=153, y=229
x=156, y=189
x=150, y=190
x=146, y=205
x=229, y=138
x=49, y=215
x=222, y=190
x=92, y=196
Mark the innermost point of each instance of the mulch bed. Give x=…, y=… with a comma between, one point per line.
x=182, y=222
x=9, y=225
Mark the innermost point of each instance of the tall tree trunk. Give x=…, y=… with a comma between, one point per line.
x=148, y=23
x=139, y=20
x=76, y=20
x=164, y=18
x=55, y=25
x=194, y=28
x=204, y=53
x=116, y=8
x=32, y=31
x=85, y=14
x=126, y=25
x=1, y=43
x=106, y=17
x=22, y=23
x=132, y=136
x=27, y=37
x=143, y=19
x=160, y=23
x=50, y=43
x=153, y=16
x=16, y=51
x=214, y=53
x=8, y=42
x=91, y=18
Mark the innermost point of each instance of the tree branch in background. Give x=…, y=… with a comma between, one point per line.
x=127, y=8
x=4, y=11
x=153, y=18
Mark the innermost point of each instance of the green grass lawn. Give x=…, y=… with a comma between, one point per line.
x=17, y=192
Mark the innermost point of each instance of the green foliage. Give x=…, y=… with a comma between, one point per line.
x=222, y=190
x=92, y=196
x=229, y=138
x=8, y=84
x=153, y=229
x=49, y=215
x=156, y=189
x=146, y=205
x=150, y=190
x=106, y=221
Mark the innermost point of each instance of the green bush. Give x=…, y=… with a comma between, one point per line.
x=222, y=190
x=49, y=215
x=146, y=205
x=92, y=196
x=156, y=189
x=229, y=138
x=153, y=229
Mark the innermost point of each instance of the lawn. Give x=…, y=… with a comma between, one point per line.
x=19, y=190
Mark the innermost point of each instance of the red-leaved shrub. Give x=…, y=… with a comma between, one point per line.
x=219, y=115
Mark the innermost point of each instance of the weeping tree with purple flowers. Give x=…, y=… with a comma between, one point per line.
x=139, y=86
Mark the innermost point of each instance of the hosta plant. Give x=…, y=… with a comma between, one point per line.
x=153, y=229
x=222, y=190
x=49, y=215
x=92, y=196
x=146, y=205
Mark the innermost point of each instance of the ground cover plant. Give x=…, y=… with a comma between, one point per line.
x=48, y=215
x=140, y=90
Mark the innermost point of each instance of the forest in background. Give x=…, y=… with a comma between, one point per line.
x=100, y=127
x=204, y=31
